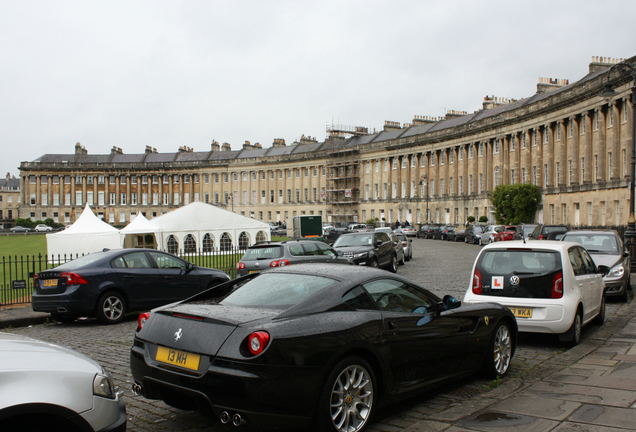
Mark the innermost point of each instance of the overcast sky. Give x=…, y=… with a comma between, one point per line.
x=173, y=73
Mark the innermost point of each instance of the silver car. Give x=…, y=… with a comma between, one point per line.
x=406, y=245
x=606, y=248
x=263, y=256
x=48, y=387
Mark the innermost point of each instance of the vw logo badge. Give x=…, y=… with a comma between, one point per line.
x=514, y=280
x=177, y=335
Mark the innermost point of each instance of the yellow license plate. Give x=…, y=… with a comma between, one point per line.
x=521, y=312
x=50, y=282
x=178, y=358
x=254, y=271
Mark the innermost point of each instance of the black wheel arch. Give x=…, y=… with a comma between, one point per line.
x=33, y=412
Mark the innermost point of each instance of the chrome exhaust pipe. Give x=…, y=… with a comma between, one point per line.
x=225, y=417
x=237, y=420
x=137, y=389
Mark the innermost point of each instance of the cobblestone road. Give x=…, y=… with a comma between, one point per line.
x=441, y=266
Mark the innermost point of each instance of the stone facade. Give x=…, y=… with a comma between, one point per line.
x=9, y=201
x=566, y=139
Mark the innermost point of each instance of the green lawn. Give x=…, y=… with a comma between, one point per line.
x=31, y=244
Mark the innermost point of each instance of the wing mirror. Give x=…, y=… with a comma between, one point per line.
x=603, y=269
x=450, y=302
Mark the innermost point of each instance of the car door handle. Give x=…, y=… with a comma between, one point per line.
x=129, y=276
x=392, y=326
x=168, y=277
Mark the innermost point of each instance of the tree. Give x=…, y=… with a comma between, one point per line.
x=515, y=204
x=483, y=219
x=470, y=219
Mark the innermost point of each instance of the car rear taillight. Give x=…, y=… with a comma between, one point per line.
x=477, y=282
x=240, y=266
x=279, y=263
x=257, y=342
x=403, y=244
x=141, y=321
x=541, y=237
x=557, y=286
x=73, y=279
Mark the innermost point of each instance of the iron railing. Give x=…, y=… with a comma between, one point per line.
x=17, y=271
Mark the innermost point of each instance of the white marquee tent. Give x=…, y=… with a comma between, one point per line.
x=198, y=221
x=88, y=234
x=139, y=226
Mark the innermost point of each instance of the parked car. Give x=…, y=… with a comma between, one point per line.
x=409, y=231
x=373, y=249
x=550, y=286
x=407, y=246
x=43, y=228
x=264, y=256
x=458, y=234
x=473, y=233
x=356, y=228
x=606, y=247
x=488, y=236
x=506, y=234
x=21, y=229
x=523, y=231
x=442, y=233
x=541, y=231
x=111, y=283
x=427, y=231
x=279, y=231
x=340, y=339
x=397, y=245
x=46, y=387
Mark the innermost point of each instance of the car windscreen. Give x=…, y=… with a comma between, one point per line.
x=595, y=243
x=276, y=290
x=263, y=253
x=80, y=262
x=357, y=240
x=524, y=273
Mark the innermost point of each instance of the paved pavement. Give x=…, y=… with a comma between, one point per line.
x=591, y=387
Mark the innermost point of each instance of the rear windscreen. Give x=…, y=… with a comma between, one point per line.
x=261, y=253
x=519, y=273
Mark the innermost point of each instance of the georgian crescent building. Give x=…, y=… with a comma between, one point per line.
x=566, y=139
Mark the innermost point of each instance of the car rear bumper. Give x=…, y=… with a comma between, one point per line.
x=259, y=396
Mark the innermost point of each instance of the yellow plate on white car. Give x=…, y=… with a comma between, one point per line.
x=178, y=358
x=521, y=312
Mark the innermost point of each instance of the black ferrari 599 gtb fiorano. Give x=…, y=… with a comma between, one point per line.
x=313, y=344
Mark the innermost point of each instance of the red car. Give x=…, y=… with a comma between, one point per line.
x=506, y=234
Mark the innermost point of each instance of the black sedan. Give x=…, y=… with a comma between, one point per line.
x=111, y=283
x=318, y=344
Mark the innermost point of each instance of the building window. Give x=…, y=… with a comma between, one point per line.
x=609, y=166
x=513, y=140
x=570, y=172
x=545, y=175
x=432, y=159
x=481, y=149
x=512, y=176
x=123, y=199
x=496, y=176
x=534, y=175
x=610, y=118
x=394, y=164
x=470, y=151
x=523, y=140
x=496, y=149
x=112, y=199
x=523, y=175
x=582, y=178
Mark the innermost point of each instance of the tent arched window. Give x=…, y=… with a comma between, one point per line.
x=226, y=242
x=208, y=243
x=189, y=244
x=244, y=241
x=173, y=245
x=261, y=237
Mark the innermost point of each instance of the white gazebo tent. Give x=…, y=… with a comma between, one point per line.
x=88, y=234
x=139, y=233
x=204, y=227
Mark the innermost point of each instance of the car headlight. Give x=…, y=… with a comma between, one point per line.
x=361, y=255
x=103, y=386
x=616, y=271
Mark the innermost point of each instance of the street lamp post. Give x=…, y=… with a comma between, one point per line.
x=608, y=93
